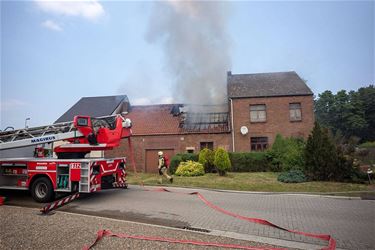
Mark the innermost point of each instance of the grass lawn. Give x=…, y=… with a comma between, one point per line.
x=260, y=181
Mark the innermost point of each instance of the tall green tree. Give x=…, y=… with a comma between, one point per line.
x=349, y=114
x=367, y=95
x=320, y=155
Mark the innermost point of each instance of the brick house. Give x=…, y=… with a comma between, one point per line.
x=163, y=127
x=259, y=106
x=267, y=104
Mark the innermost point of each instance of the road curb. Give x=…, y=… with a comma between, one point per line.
x=322, y=195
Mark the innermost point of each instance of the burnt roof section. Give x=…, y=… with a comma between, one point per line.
x=168, y=119
x=94, y=106
x=266, y=85
x=154, y=120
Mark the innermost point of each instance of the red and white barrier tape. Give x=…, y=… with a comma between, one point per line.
x=51, y=206
x=93, y=181
x=108, y=233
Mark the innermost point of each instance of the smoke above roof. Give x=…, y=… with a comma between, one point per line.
x=196, y=47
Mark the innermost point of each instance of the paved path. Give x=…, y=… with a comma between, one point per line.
x=350, y=222
x=24, y=228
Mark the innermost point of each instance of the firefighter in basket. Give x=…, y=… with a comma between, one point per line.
x=163, y=167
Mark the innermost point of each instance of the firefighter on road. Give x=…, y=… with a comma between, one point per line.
x=163, y=167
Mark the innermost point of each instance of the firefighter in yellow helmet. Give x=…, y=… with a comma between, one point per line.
x=163, y=167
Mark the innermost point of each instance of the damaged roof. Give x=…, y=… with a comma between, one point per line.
x=266, y=85
x=167, y=119
x=95, y=107
x=154, y=119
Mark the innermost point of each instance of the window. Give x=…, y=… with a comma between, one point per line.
x=190, y=150
x=295, y=112
x=209, y=145
x=258, y=113
x=259, y=143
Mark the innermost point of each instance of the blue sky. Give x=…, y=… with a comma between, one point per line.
x=52, y=55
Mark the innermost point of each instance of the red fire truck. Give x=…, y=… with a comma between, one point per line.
x=70, y=171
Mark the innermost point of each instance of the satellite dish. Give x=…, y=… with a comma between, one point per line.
x=244, y=130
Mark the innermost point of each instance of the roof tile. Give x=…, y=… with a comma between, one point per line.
x=266, y=85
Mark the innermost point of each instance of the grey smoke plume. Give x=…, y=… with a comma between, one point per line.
x=196, y=47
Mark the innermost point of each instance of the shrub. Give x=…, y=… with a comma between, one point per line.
x=286, y=153
x=222, y=161
x=190, y=168
x=175, y=161
x=206, y=158
x=189, y=157
x=292, y=176
x=249, y=162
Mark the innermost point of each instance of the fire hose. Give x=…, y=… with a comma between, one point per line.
x=108, y=233
x=103, y=233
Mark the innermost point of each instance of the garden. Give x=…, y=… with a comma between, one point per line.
x=320, y=164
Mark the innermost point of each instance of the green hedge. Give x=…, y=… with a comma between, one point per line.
x=250, y=162
x=178, y=158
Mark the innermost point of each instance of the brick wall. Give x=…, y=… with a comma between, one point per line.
x=278, y=120
x=177, y=143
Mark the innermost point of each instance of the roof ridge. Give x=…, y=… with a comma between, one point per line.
x=264, y=73
x=103, y=96
x=155, y=105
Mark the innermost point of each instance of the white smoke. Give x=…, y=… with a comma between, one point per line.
x=196, y=47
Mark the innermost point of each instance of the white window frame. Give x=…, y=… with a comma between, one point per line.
x=258, y=113
x=295, y=112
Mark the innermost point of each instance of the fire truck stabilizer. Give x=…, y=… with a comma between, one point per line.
x=70, y=171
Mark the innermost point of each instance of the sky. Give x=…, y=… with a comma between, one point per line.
x=54, y=53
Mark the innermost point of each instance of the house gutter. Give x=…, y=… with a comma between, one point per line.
x=232, y=126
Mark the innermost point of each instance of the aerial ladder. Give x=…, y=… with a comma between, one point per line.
x=70, y=171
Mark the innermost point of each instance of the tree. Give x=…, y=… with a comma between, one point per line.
x=222, y=161
x=323, y=109
x=320, y=155
x=367, y=95
x=349, y=114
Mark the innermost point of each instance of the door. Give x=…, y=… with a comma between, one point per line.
x=152, y=159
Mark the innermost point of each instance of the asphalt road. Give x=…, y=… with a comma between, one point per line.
x=350, y=221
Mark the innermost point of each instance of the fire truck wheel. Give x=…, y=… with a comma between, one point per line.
x=42, y=190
